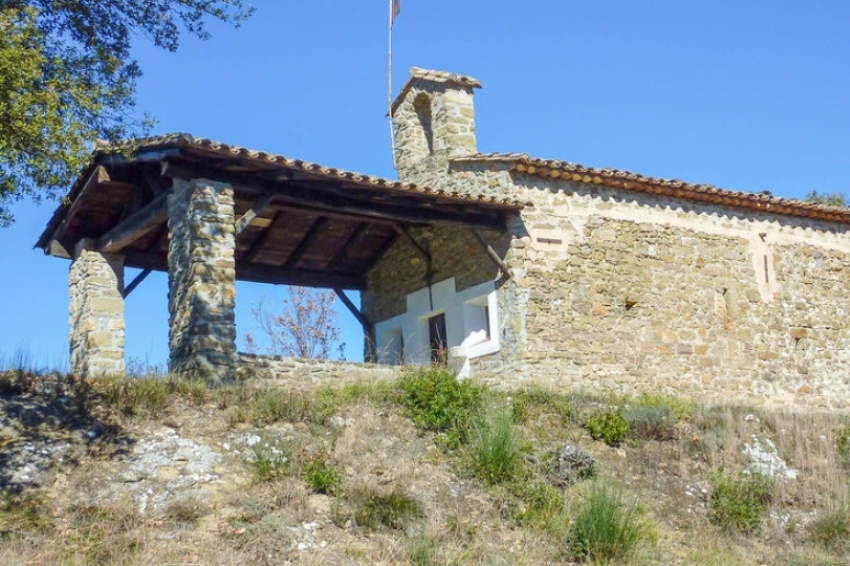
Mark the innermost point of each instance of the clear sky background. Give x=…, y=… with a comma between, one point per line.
x=740, y=94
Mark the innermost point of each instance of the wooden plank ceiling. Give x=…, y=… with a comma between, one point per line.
x=298, y=223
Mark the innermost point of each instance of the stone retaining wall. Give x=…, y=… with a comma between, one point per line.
x=296, y=373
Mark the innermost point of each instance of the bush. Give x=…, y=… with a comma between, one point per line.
x=606, y=529
x=651, y=422
x=437, y=401
x=740, y=501
x=321, y=476
x=610, y=427
x=393, y=510
x=26, y=512
x=496, y=453
x=842, y=441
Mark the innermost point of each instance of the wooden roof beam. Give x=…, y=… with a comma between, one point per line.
x=135, y=226
x=307, y=241
x=98, y=176
x=262, y=273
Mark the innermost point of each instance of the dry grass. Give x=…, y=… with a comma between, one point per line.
x=424, y=503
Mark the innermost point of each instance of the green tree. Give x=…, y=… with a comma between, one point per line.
x=67, y=79
x=828, y=199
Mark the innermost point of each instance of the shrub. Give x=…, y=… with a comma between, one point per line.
x=606, y=529
x=393, y=510
x=437, y=401
x=740, y=501
x=321, y=476
x=496, y=453
x=651, y=422
x=610, y=427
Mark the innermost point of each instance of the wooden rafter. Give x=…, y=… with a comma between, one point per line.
x=98, y=176
x=135, y=226
x=305, y=243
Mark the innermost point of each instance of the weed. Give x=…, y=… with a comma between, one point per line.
x=609, y=426
x=740, y=501
x=606, y=529
x=842, y=441
x=651, y=422
x=436, y=401
x=832, y=529
x=425, y=551
x=321, y=476
x=681, y=409
x=269, y=462
x=26, y=512
x=496, y=451
x=186, y=510
x=542, y=504
x=531, y=403
x=570, y=465
x=392, y=510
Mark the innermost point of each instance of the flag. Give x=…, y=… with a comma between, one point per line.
x=395, y=9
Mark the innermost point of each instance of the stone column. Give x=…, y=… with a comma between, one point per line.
x=96, y=285
x=201, y=278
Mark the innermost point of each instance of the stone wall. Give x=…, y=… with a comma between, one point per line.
x=202, y=274
x=96, y=283
x=402, y=270
x=618, y=292
x=295, y=373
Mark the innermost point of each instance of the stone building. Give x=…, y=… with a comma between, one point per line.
x=613, y=281
x=508, y=267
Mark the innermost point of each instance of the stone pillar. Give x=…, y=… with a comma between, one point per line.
x=201, y=279
x=96, y=286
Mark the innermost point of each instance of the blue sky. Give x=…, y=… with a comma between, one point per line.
x=743, y=95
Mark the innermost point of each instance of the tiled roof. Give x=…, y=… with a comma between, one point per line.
x=436, y=76
x=181, y=140
x=626, y=180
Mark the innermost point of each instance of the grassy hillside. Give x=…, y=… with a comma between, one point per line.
x=422, y=470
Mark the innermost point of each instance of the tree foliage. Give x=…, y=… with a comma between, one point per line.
x=67, y=78
x=827, y=199
x=305, y=327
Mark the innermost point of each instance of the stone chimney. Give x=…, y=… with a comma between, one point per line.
x=434, y=120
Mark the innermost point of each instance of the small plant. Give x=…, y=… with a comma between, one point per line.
x=842, y=441
x=269, y=463
x=740, y=501
x=186, y=510
x=541, y=504
x=321, y=476
x=832, y=529
x=22, y=513
x=496, y=452
x=392, y=510
x=651, y=422
x=425, y=551
x=609, y=426
x=570, y=465
x=437, y=401
x=606, y=529
x=537, y=401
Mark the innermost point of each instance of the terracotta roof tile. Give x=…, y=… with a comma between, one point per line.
x=183, y=140
x=636, y=182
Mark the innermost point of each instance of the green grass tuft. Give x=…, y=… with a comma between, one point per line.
x=497, y=447
x=740, y=501
x=606, y=529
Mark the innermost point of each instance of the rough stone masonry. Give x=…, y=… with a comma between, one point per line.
x=644, y=286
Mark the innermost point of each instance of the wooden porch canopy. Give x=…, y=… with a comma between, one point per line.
x=297, y=223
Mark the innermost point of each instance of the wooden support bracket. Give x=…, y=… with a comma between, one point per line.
x=259, y=206
x=491, y=252
x=361, y=318
x=136, y=281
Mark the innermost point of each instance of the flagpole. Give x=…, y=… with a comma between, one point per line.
x=390, y=84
